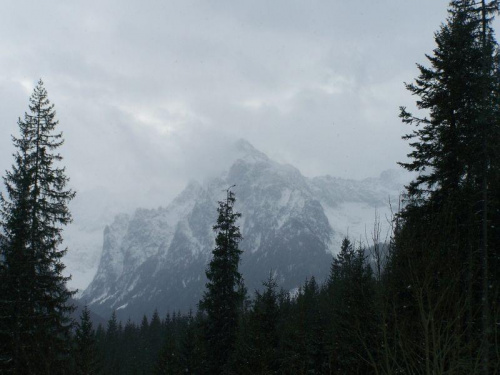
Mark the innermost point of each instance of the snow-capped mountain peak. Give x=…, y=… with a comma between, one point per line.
x=290, y=224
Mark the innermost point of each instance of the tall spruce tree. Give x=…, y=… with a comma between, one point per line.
x=85, y=353
x=489, y=168
x=169, y=360
x=262, y=341
x=223, y=299
x=351, y=291
x=34, y=323
x=113, y=364
x=155, y=336
x=189, y=348
x=447, y=144
x=449, y=227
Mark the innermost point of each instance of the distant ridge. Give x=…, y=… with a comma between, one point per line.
x=291, y=226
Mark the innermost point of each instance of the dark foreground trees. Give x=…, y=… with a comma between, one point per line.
x=85, y=354
x=223, y=300
x=34, y=323
x=351, y=311
x=321, y=329
x=443, y=273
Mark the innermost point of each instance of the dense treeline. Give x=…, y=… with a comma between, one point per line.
x=427, y=303
x=321, y=329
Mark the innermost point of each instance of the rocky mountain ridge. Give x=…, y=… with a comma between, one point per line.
x=291, y=226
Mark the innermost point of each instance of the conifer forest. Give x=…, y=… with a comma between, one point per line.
x=424, y=301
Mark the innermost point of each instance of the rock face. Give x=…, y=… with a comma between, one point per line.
x=291, y=226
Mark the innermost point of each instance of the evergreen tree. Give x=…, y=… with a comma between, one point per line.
x=169, y=360
x=112, y=340
x=155, y=336
x=447, y=239
x=312, y=330
x=100, y=335
x=189, y=351
x=352, y=311
x=34, y=323
x=86, y=357
x=259, y=344
x=456, y=91
x=130, y=351
x=302, y=345
x=225, y=292
x=144, y=343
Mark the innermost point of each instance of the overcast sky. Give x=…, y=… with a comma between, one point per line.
x=149, y=92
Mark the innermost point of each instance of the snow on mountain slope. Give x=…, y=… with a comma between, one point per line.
x=290, y=225
x=91, y=211
x=352, y=207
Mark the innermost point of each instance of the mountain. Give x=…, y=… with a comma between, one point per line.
x=291, y=225
x=92, y=211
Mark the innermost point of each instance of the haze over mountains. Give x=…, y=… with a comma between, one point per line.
x=291, y=224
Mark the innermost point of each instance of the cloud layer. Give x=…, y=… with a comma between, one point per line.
x=147, y=92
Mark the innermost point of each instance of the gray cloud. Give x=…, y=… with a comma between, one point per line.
x=150, y=94
x=147, y=91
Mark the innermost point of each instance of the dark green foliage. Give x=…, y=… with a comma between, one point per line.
x=447, y=239
x=223, y=299
x=85, y=352
x=34, y=323
x=311, y=332
x=112, y=344
x=131, y=355
x=128, y=350
x=169, y=362
x=431, y=279
x=258, y=346
x=456, y=90
x=156, y=337
x=351, y=303
x=145, y=357
x=302, y=332
x=190, y=356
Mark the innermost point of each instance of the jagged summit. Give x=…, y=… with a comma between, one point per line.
x=290, y=224
x=246, y=151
